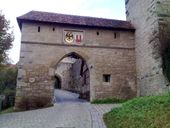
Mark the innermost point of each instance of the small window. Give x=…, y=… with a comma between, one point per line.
x=106, y=78
x=38, y=28
x=116, y=35
x=53, y=29
x=97, y=33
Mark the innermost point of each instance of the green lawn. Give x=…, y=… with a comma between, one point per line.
x=108, y=101
x=144, y=112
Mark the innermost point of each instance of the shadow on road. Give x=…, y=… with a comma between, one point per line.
x=62, y=96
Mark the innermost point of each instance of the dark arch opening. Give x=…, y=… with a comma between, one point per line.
x=74, y=74
x=57, y=83
x=72, y=55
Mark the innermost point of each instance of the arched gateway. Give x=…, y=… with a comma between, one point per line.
x=107, y=47
x=73, y=71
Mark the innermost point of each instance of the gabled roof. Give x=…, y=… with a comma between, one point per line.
x=46, y=17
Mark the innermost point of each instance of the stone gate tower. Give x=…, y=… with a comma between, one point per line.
x=151, y=19
x=105, y=45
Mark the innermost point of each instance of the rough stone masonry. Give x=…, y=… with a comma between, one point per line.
x=128, y=53
x=107, y=47
x=151, y=19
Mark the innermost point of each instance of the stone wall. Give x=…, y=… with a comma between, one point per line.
x=34, y=86
x=103, y=53
x=81, y=81
x=77, y=80
x=143, y=14
x=64, y=71
x=91, y=38
x=163, y=12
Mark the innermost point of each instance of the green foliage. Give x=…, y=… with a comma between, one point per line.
x=108, y=101
x=8, y=75
x=6, y=38
x=166, y=63
x=9, y=110
x=9, y=91
x=144, y=112
x=7, y=79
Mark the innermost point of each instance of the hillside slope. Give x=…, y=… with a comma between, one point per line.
x=143, y=112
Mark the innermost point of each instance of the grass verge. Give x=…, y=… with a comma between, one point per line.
x=144, y=112
x=108, y=101
x=9, y=110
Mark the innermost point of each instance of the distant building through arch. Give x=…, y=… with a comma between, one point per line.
x=75, y=75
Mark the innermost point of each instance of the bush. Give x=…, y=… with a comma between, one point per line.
x=8, y=101
x=9, y=110
x=8, y=76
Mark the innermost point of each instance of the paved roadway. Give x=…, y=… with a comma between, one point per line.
x=67, y=112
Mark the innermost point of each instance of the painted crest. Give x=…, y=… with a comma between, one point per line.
x=69, y=38
x=73, y=36
x=78, y=37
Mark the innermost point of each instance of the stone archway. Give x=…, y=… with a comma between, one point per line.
x=75, y=75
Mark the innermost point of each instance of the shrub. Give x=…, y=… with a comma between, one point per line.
x=9, y=110
x=8, y=77
x=8, y=101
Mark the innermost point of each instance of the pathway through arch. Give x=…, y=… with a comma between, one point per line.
x=69, y=112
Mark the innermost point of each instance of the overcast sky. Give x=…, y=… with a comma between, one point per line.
x=114, y=9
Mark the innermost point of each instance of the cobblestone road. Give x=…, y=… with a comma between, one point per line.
x=68, y=112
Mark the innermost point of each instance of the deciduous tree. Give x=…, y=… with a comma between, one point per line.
x=6, y=38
